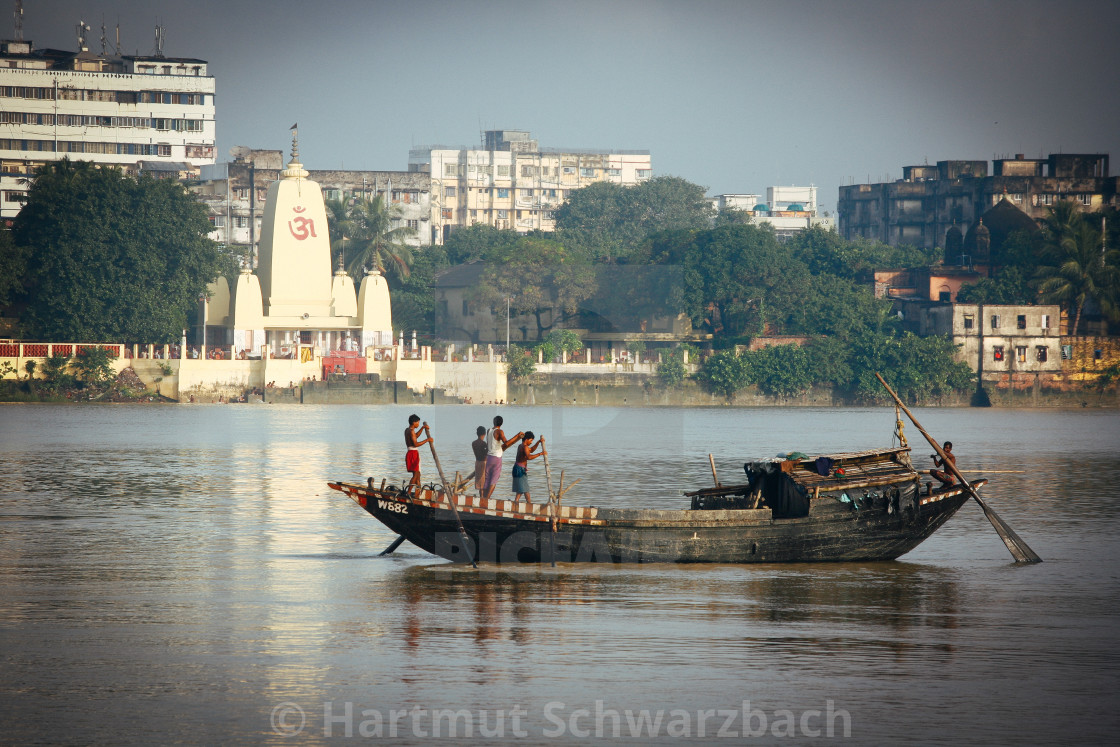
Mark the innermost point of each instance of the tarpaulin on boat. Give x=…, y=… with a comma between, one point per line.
x=780, y=492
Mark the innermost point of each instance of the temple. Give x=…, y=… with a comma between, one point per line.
x=293, y=301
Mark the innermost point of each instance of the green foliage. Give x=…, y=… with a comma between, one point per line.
x=730, y=216
x=737, y=279
x=838, y=306
x=29, y=367
x=1009, y=286
x=538, y=275
x=609, y=221
x=725, y=374
x=561, y=341
x=782, y=370
x=826, y=252
x=475, y=243
x=94, y=365
x=414, y=296
x=165, y=368
x=369, y=239
x=55, y=373
x=1075, y=269
x=519, y=362
x=918, y=368
x=111, y=256
x=671, y=371
x=13, y=267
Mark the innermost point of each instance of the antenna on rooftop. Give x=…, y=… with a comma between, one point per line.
x=81, y=30
x=159, y=41
x=104, y=40
x=18, y=15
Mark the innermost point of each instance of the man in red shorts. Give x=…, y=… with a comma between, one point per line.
x=412, y=456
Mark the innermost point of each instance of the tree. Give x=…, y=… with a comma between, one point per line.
x=782, y=370
x=1009, y=286
x=539, y=276
x=671, y=371
x=726, y=374
x=13, y=267
x=610, y=221
x=1076, y=268
x=111, y=256
x=473, y=243
x=94, y=365
x=519, y=362
x=736, y=279
x=372, y=241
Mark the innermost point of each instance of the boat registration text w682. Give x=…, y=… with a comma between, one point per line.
x=399, y=508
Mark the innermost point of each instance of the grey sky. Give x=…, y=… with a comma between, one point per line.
x=735, y=96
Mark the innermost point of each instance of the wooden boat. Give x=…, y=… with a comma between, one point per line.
x=867, y=505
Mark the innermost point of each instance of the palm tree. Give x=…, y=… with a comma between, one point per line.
x=1076, y=268
x=371, y=241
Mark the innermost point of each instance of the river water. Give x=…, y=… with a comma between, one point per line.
x=182, y=574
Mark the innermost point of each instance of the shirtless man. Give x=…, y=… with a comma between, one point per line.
x=525, y=452
x=412, y=456
x=946, y=478
x=479, y=446
x=496, y=444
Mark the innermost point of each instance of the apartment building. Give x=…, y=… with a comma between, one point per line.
x=234, y=194
x=151, y=114
x=999, y=338
x=511, y=182
x=788, y=209
x=921, y=208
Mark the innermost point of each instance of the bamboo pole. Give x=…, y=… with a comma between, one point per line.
x=712, y=462
x=553, y=508
x=450, y=498
x=1018, y=548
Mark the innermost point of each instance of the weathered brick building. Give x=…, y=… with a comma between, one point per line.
x=921, y=208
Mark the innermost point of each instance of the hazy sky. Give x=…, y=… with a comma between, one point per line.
x=735, y=96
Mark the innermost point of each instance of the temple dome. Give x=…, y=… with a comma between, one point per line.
x=998, y=223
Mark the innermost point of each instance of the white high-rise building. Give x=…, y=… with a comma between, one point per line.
x=151, y=114
x=511, y=182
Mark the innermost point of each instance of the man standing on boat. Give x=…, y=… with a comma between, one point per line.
x=525, y=452
x=946, y=478
x=496, y=444
x=479, y=446
x=412, y=455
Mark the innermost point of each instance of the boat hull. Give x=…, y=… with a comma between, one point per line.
x=879, y=525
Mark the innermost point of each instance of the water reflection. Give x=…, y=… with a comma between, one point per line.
x=175, y=573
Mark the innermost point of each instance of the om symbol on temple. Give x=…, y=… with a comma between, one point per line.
x=301, y=227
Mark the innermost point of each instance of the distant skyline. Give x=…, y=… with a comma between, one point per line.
x=734, y=96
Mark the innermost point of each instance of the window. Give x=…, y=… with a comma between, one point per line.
x=646, y=173
x=995, y=321
x=1021, y=353
x=413, y=224
x=1098, y=354
x=526, y=193
x=466, y=308
x=14, y=196
x=218, y=221
x=241, y=221
x=944, y=296
x=503, y=193
x=1045, y=322
x=1085, y=199
x=968, y=320
x=569, y=170
x=586, y=172
x=448, y=214
x=614, y=172
x=503, y=170
x=1067, y=352
x=503, y=214
x=451, y=169
x=448, y=191
x=997, y=353
x=1040, y=353
x=1045, y=199
x=528, y=171
x=1016, y=198
x=1021, y=321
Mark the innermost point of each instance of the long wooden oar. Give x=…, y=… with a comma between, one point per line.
x=396, y=543
x=553, y=509
x=450, y=498
x=1019, y=549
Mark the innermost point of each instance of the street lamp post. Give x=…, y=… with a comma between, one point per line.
x=507, y=326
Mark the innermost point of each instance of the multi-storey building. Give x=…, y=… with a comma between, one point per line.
x=923, y=206
x=511, y=182
x=234, y=194
x=142, y=113
x=788, y=209
x=999, y=338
